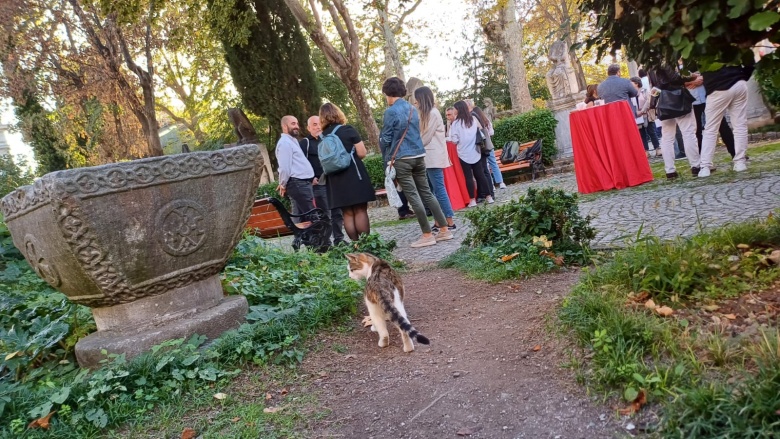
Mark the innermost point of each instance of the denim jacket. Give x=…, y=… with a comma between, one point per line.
x=393, y=126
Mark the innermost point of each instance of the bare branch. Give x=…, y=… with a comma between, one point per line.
x=337, y=22
x=403, y=16
x=354, y=41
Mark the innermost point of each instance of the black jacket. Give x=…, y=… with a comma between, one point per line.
x=725, y=77
x=309, y=146
x=667, y=78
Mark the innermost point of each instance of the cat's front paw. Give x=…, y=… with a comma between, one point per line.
x=384, y=341
x=409, y=348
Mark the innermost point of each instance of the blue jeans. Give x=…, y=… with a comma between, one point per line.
x=492, y=164
x=436, y=178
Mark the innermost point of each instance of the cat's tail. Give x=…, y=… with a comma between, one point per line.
x=403, y=322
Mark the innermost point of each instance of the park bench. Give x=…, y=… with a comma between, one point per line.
x=529, y=156
x=270, y=219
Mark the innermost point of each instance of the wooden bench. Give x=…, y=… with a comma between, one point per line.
x=270, y=219
x=534, y=161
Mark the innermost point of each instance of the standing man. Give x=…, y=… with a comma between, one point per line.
x=615, y=88
x=726, y=90
x=309, y=145
x=295, y=172
x=450, y=114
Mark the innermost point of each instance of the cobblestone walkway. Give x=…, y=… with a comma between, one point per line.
x=668, y=212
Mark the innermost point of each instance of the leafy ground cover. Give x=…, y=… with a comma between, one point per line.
x=690, y=327
x=538, y=232
x=44, y=394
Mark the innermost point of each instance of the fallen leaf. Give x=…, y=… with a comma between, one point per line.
x=468, y=431
x=642, y=296
x=220, y=396
x=284, y=391
x=41, y=422
x=664, y=311
x=349, y=357
x=11, y=355
x=188, y=433
x=537, y=348
x=236, y=419
x=743, y=246
x=730, y=316
x=650, y=304
x=558, y=260
x=272, y=409
x=367, y=321
x=507, y=258
x=711, y=308
x=636, y=404
x=268, y=396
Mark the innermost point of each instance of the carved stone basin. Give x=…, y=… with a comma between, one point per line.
x=141, y=243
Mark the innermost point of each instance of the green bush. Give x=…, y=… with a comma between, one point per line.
x=527, y=127
x=376, y=170
x=14, y=174
x=269, y=190
x=769, y=90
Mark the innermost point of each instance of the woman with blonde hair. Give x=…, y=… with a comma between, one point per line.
x=349, y=190
x=436, y=157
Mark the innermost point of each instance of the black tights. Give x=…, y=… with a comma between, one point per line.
x=356, y=220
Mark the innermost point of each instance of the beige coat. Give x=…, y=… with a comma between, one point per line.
x=435, y=145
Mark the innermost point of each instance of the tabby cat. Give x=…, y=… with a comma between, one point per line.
x=384, y=295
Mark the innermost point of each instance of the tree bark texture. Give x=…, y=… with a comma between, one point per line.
x=507, y=34
x=346, y=65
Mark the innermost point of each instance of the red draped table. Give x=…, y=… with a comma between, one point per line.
x=608, y=152
x=454, y=180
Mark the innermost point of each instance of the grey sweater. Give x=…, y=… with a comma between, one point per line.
x=615, y=88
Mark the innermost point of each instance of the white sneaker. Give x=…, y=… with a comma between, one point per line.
x=490, y=199
x=472, y=204
x=502, y=186
x=740, y=167
x=704, y=172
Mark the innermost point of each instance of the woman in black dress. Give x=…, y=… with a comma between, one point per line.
x=351, y=189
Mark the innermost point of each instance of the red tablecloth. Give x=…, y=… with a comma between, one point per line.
x=454, y=180
x=608, y=152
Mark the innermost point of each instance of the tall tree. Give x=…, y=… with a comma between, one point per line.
x=346, y=63
x=390, y=24
x=562, y=20
x=272, y=68
x=502, y=27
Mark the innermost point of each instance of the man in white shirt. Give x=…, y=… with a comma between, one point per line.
x=295, y=171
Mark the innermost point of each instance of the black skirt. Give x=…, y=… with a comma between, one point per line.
x=351, y=186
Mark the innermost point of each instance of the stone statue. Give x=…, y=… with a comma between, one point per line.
x=247, y=135
x=560, y=79
x=185, y=148
x=412, y=85
x=489, y=110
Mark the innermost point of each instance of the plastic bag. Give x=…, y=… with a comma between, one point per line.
x=393, y=198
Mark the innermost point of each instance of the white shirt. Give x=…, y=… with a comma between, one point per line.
x=466, y=139
x=646, y=83
x=292, y=162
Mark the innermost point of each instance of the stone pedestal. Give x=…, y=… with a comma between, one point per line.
x=561, y=108
x=141, y=243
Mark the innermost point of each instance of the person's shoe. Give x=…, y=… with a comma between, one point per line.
x=680, y=157
x=472, y=204
x=658, y=152
x=490, y=200
x=444, y=236
x=695, y=171
x=435, y=229
x=424, y=242
x=704, y=172
x=671, y=175
x=740, y=167
x=479, y=200
x=407, y=216
x=453, y=227
x=502, y=186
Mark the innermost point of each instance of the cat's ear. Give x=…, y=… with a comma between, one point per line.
x=351, y=256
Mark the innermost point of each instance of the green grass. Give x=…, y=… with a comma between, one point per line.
x=708, y=383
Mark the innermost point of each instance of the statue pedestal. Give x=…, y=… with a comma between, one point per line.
x=561, y=109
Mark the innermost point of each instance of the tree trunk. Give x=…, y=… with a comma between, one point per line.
x=355, y=90
x=578, y=70
x=151, y=127
x=507, y=34
x=393, y=65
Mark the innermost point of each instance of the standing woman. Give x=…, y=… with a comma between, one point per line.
x=350, y=190
x=490, y=158
x=436, y=157
x=402, y=148
x=463, y=133
x=641, y=104
x=592, y=95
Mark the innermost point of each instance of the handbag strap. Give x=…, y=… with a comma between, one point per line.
x=398, y=146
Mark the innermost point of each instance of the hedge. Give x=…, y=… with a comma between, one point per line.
x=526, y=127
x=376, y=170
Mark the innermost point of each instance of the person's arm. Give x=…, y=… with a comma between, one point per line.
x=360, y=149
x=433, y=124
x=389, y=122
x=490, y=130
x=284, y=157
x=455, y=133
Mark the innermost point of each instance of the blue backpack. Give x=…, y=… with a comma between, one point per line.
x=334, y=158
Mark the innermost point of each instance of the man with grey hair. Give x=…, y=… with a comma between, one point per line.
x=295, y=172
x=615, y=88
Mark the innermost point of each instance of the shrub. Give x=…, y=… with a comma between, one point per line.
x=376, y=170
x=269, y=190
x=526, y=127
x=13, y=174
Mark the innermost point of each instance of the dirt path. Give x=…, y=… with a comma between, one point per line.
x=480, y=374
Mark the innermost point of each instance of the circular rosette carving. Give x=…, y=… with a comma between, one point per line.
x=44, y=268
x=180, y=227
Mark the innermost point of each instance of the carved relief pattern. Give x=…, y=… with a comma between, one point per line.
x=180, y=227
x=42, y=267
x=160, y=170
x=25, y=199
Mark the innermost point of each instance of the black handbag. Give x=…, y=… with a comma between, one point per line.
x=483, y=145
x=674, y=103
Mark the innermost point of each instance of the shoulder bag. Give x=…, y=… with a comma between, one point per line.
x=393, y=198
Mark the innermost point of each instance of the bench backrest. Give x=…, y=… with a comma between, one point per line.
x=520, y=152
x=265, y=221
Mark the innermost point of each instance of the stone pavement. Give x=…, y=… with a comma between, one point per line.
x=666, y=211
